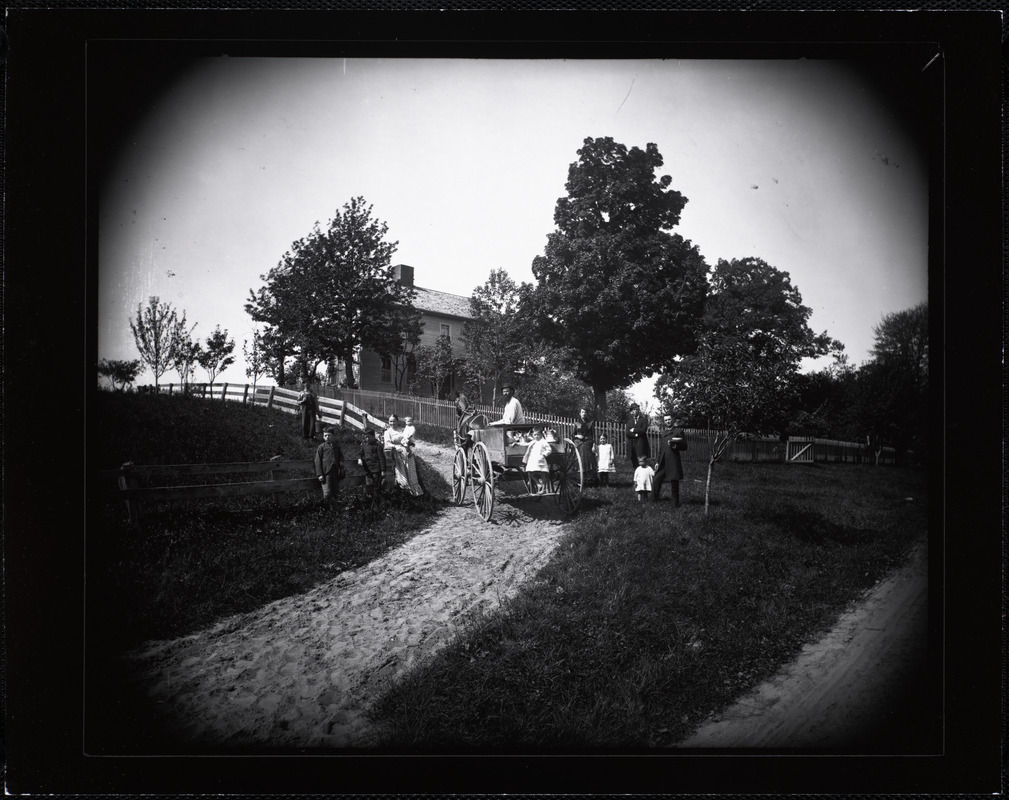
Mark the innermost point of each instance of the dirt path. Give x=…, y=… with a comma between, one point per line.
x=302, y=671
x=856, y=687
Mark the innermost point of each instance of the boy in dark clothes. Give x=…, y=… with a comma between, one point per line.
x=329, y=467
x=372, y=458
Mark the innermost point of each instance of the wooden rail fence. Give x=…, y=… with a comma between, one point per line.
x=129, y=477
x=358, y=409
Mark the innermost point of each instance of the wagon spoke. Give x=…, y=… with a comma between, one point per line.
x=482, y=477
x=459, y=477
x=570, y=479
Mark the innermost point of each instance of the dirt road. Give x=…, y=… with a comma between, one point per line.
x=303, y=671
x=862, y=687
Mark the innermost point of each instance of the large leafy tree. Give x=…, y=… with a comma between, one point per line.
x=435, y=363
x=333, y=292
x=890, y=397
x=617, y=292
x=154, y=332
x=743, y=377
x=497, y=336
x=398, y=340
x=217, y=356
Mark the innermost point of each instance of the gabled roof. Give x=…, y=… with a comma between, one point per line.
x=449, y=305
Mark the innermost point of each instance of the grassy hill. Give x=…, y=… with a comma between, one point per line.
x=187, y=564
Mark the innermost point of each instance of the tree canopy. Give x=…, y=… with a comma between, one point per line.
x=120, y=373
x=755, y=334
x=497, y=336
x=743, y=376
x=333, y=292
x=616, y=292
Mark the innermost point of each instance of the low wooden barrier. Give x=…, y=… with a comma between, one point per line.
x=129, y=474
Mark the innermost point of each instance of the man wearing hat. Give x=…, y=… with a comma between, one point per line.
x=668, y=467
x=637, y=436
x=513, y=408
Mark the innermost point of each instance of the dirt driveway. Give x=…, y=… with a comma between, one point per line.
x=303, y=671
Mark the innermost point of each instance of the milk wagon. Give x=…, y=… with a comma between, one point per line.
x=487, y=455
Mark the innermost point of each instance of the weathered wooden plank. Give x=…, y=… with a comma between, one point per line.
x=208, y=469
x=218, y=490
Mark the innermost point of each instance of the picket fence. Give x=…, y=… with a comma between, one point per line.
x=358, y=409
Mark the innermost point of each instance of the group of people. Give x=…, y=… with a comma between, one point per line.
x=598, y=458
x=397, y=441
x=649, y=473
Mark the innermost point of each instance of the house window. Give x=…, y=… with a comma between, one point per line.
x=386, y=369
x=446, y=331
x=411, y=368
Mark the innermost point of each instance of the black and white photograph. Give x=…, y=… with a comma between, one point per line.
x=513, y=402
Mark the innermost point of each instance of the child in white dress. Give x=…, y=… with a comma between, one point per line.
x=409, y=431
x=536, y=461
x=643, y=476
x=605, y=460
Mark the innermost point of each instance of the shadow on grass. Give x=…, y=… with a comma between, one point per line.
x=811, y=527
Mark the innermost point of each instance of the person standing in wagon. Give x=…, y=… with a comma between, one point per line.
x=535, y=461
x=605, y=460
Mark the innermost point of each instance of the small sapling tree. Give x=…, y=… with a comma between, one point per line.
x=217, y=356
x=154, y=332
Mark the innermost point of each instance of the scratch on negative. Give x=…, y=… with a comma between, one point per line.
x=625, y=97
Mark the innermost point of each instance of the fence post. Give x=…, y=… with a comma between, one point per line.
x=129, y=481
x=269, y=403
x=245, y=394
x=224, y=392
x=343, y=411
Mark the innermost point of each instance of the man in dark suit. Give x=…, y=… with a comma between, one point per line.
x=668, y=466
x=637, y=439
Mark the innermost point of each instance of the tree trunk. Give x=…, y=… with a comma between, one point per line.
x=599, y=397
x=707, y=486
x=348, y=360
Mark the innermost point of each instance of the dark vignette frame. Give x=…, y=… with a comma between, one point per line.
x=49, y=298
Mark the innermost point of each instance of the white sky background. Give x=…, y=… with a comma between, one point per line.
x=465, y=160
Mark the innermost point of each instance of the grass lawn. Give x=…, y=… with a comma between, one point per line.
x=649, y=617
x=187, y=564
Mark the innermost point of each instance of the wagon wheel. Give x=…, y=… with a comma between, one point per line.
x=569, y=478
x=482, y=478
x=459, y=477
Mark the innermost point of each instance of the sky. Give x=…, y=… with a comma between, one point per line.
x=798, y=162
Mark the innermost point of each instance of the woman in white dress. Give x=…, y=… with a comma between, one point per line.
x=398, y=445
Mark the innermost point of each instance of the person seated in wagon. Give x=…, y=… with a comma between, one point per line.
x=513, y=408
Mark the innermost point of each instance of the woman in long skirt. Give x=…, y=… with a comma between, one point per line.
x=404, y=465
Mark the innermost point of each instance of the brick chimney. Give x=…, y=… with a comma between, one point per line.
x=404, y=274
